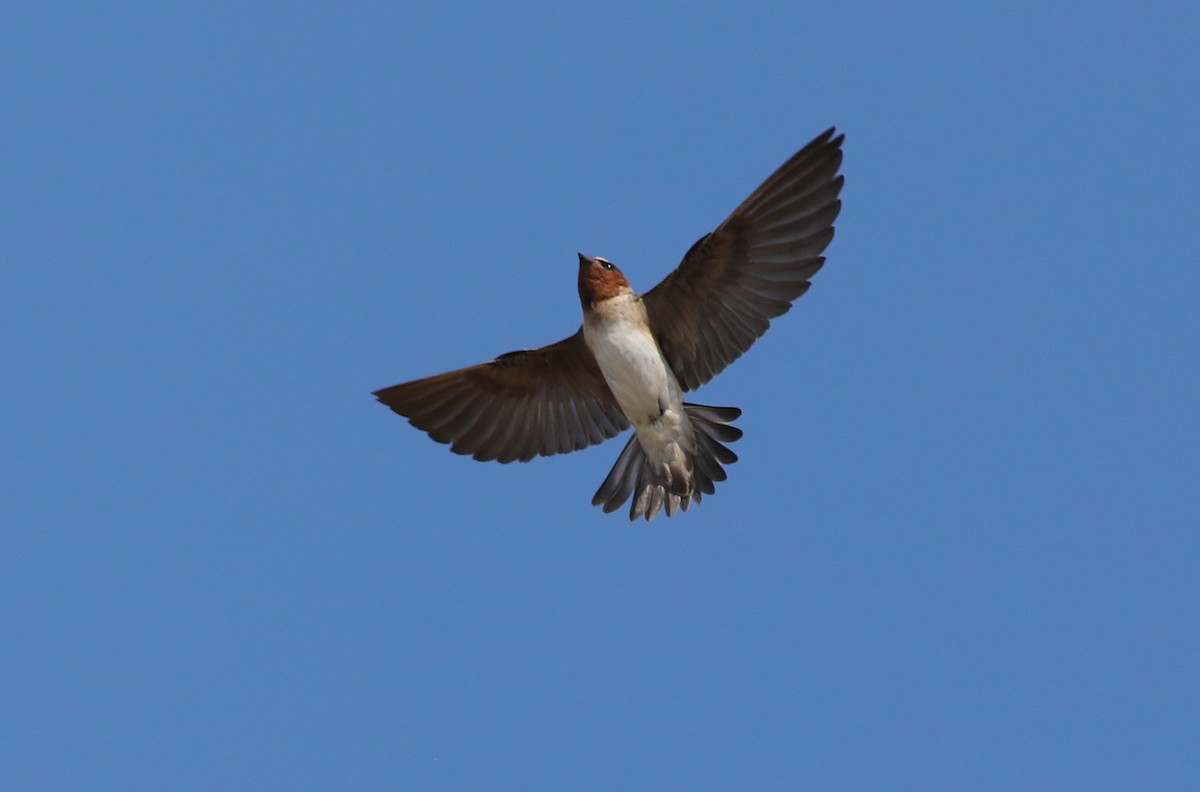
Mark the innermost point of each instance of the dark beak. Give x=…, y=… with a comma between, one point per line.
x=586, y=261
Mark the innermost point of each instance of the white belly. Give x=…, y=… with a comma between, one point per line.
x=634, y=368
x=647, y=391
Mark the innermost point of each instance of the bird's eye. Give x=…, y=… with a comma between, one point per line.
x=608, y=265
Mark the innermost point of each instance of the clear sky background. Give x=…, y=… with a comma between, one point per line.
x=960, y=550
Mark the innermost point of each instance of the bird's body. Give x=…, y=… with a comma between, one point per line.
x=618, y=334
x=636, y=355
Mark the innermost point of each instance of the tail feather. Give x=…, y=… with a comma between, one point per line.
x=707, y=472
x=632, y=476
x=716, y=422
x=714, y=449
x=675, y=503
x=621, y=480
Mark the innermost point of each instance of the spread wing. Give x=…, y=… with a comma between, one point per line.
x=732, y=282
x=523, y=404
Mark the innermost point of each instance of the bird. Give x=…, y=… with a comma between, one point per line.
x=635, y=355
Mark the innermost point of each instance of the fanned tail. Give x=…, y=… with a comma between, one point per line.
x=632, y=476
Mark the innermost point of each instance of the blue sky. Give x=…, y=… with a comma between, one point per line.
x=960, y=549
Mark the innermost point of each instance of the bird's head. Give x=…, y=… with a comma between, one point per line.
x=599, y=279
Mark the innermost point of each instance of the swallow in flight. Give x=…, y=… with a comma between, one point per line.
x=637, y=354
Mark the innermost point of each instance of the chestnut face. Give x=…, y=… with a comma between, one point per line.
x=599, y=279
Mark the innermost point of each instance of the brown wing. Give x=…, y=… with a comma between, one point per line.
x=534, y=402
x=732, y=282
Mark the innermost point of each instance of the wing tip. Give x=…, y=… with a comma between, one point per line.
x=828, y=137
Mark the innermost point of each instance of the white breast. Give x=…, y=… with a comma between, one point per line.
x=631, y=361
x=633, y=367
